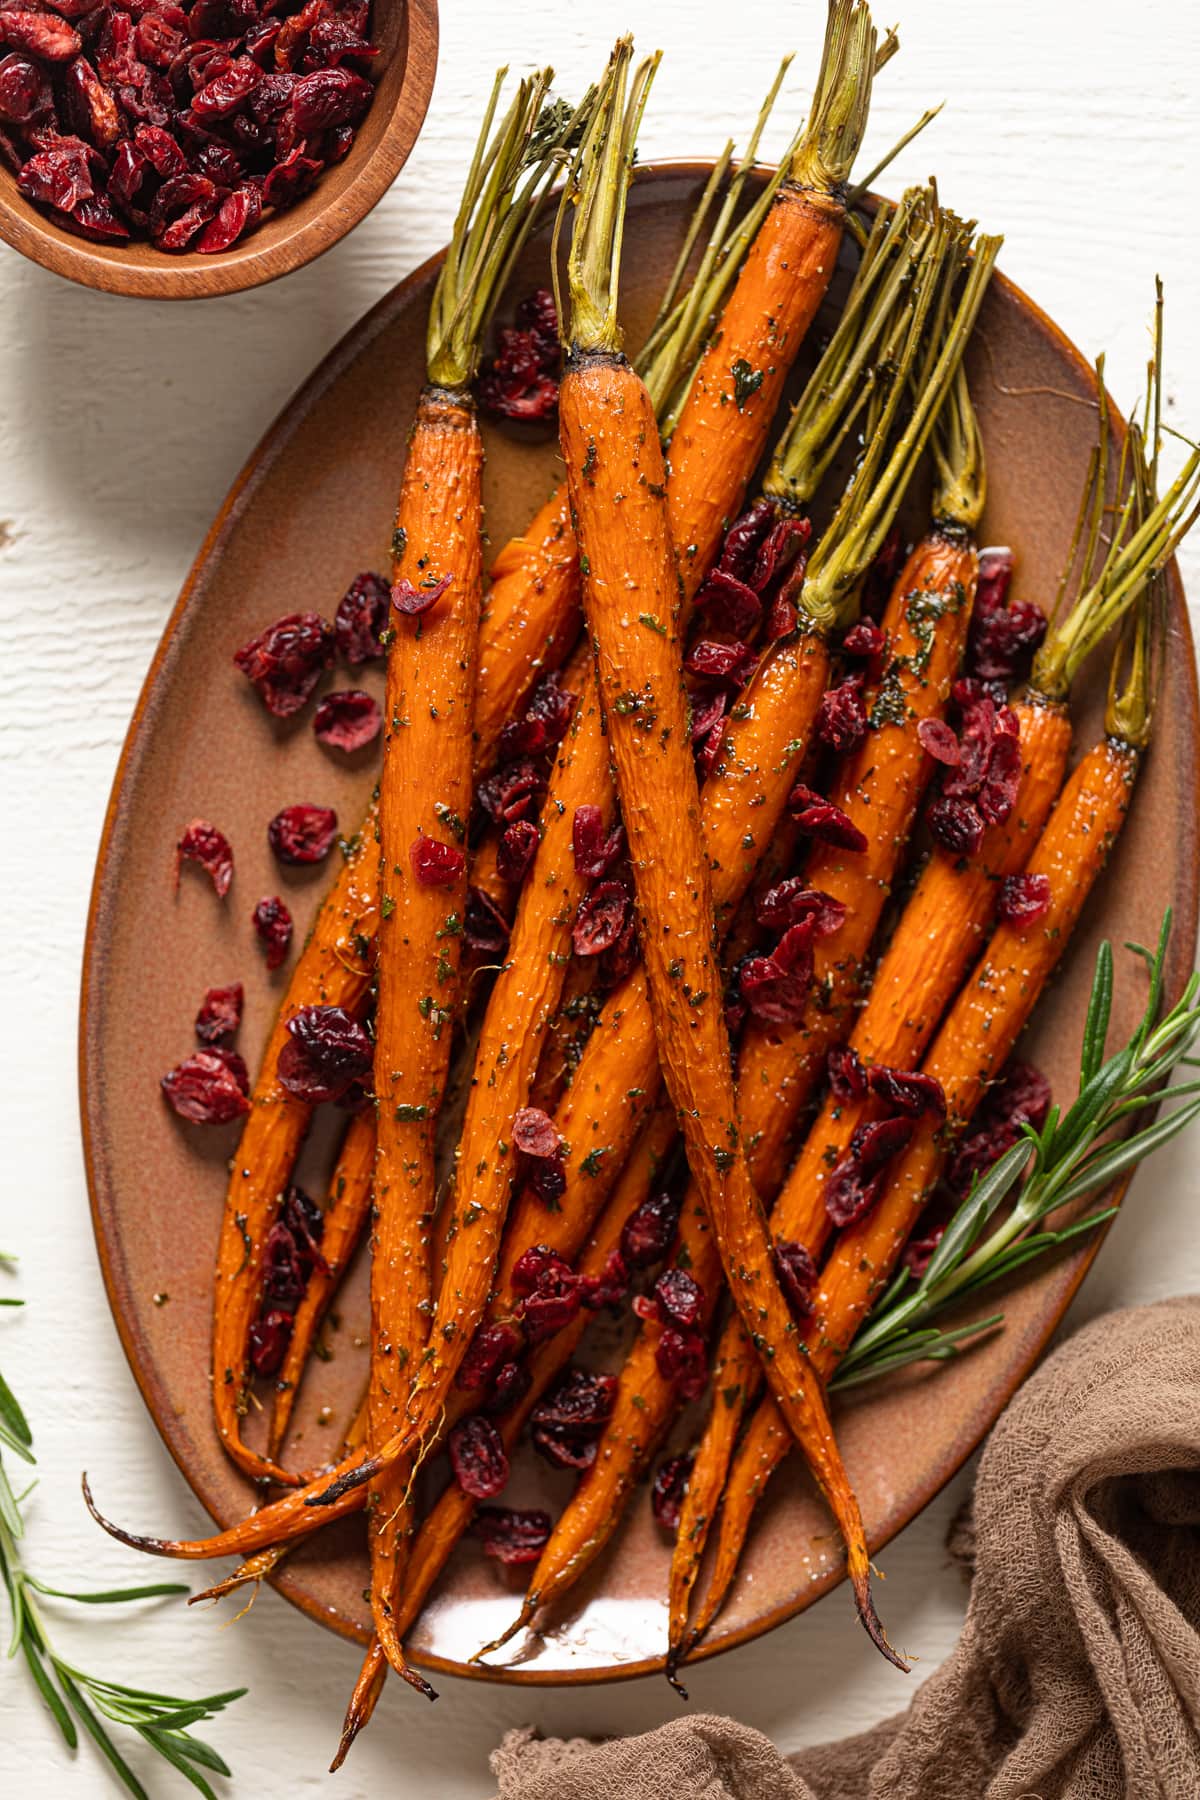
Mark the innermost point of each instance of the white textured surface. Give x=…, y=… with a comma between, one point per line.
x=1072, y=126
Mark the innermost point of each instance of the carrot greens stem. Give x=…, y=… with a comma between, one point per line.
x=851, y=59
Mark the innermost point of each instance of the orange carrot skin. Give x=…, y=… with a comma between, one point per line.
x=345, y=1217
x=615, y=475
x=531, y=619
x=722, y=429
x=332, y=970
x=975, y=1041
x=424, y=796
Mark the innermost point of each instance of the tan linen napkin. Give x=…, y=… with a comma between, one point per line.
x=1077, y=1675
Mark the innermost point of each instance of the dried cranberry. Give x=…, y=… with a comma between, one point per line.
x=602, y=917
x=25, y=94
x=552, y=706
x=325, y=1053
x=40, y=34
x=228, y=91
x=290, y=179
x=535, y=1135
x=647, y=1233
x=709, y=726
x=842, y=717
x=348, y=720
x=957, y=825
x=302, y=834
x=202, y=843
x=607, y=1288
x=562, y=1451
x=874, y=1143
x=362, y=618
x=731, y=604
x=521, y=380
x=938, y=739
x=161, y=151
x=849, y=1194
x=732, y=664
x=485, y=928
x=268, y=1339
x=180, y=208
x=740, y=545
x=594, y=850
x=60, y=177
x=1002, y=637
x=478, y=1459
x=553, y=1300
x=534, y=1264
x=273, y=923
x=1020, y=1097
x=910, y=1093
x=779, y=554
x=286, y=660
x=797, y=1276
x=511, y=1537
x=777, y=993
x=516, y=850
x=510, y=792
x=1025, y=899
x=509, y=1387
x=491, y=1346
x=680, y=1358
x=847, y=1076
x=95, y=220
x=436, y=864
x=822, y=820
x=580, y=1405
x=790, y=903
x=238, y=213
x=670, y=1486
x=415, y=602
x=306, y=1222
x=332, y=41
x=209, y=1087
x=220, y=1013
x=864, y=639
x=329, y=97
x=918, y=1252
x=90, y=106
x=679, y=1299
x=998, y=794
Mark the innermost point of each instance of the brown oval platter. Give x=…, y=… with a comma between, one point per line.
x=312, y=508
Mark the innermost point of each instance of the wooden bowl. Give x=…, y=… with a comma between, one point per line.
x=407, y=33
x=314, y=507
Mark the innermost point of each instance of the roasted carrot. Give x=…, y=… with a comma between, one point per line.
x=617, y=481
x=994, y=1005
x=425, y=788
x=345, y=1216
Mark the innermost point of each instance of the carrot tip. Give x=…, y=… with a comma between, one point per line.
x=345, y=1484
x=872, y=1623
x=673, y=1678
x=522, y=1619
x=152, y=1545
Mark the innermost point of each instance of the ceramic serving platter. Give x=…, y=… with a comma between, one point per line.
x=312, y=508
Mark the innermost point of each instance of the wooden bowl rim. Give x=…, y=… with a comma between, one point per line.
x=101, y=902
x=194, y=277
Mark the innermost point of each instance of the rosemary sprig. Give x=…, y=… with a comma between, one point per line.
x=164, y=1721
x=1072, y=1155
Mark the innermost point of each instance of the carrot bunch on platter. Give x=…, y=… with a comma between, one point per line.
x=681, y=756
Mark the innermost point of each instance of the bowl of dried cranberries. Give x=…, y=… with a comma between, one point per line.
x=176, y=149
